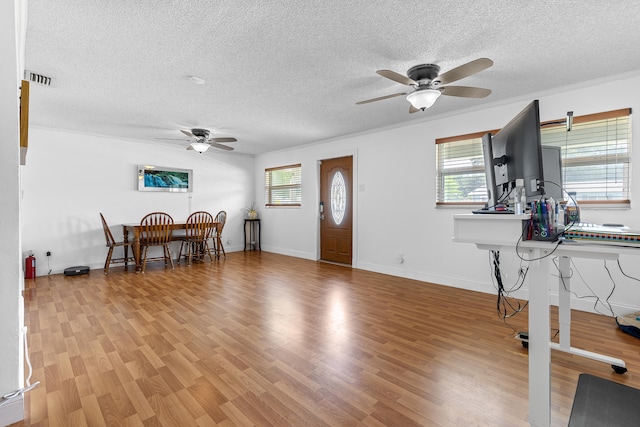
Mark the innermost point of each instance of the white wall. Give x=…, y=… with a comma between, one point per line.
x=11, y=302
x=394, y=206
x=70, y=178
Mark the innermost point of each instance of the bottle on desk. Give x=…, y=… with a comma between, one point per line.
x=559, y=215
x=571, y=210
x=520, y=197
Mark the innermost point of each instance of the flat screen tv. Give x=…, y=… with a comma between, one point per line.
x=160, y=178
x=517, y=153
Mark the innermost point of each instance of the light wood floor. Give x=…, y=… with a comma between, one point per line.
x=268, y=340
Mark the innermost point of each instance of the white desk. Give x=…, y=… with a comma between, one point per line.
x=501, y=232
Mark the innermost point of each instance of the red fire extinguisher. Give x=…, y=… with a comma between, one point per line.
x=30, y=267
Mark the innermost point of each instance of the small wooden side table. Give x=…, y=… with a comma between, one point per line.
x=254, y=234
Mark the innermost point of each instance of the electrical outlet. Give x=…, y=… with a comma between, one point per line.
x=48, y=253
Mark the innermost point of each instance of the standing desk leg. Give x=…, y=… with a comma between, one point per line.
x=564, y=317
x=564, y=302
x=539, y=336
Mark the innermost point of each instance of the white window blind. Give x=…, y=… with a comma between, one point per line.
x=283, y=186
x=595, y=155
x=460, y=170
x=595, y=160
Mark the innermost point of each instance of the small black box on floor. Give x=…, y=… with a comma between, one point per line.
x=76, y=271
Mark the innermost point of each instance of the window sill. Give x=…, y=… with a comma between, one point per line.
x=283, y=207
x=583, y=206
x=595, y=205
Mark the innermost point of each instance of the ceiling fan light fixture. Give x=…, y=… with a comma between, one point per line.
x=200, y=147
x=423, y=99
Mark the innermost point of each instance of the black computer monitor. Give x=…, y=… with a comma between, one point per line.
x=517, y=153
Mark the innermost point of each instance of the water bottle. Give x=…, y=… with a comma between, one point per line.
x=571, y=210
x=520, y=197
x=559, y=215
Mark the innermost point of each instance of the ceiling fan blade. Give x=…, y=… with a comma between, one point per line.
x=413, y=109
x=380, y=98
x=464, y=70
x=465, y=91
x=399, y=78
x=172, y=139
x=222, y=147
x=190, y=147
x=189, y=134
x=223, y=139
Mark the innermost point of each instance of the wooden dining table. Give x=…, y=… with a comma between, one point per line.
x=135, y=229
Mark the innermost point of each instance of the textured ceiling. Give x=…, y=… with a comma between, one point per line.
x=285, y=73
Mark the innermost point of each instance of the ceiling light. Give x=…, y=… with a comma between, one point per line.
x=423, y=99
x=200, y=147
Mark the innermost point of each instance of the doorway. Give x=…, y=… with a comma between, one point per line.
x=336, y=210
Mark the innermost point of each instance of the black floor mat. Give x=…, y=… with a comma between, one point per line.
x=599, y=402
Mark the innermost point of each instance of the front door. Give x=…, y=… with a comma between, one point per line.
x=336, y=210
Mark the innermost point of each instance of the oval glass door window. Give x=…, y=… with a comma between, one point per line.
x=338, y=198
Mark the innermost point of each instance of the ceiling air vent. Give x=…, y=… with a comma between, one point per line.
x=37, y=78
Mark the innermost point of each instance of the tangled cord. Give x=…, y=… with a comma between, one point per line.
x=10, y=396
x=504, y=305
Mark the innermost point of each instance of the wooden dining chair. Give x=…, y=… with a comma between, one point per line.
x=155, y=230
x=221, y=219
x=198, y=229
x=112, y=244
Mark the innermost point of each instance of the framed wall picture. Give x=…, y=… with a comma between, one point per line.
x=160, y=178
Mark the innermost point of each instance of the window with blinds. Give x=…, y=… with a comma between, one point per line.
x=283, y=186
x=595, y=160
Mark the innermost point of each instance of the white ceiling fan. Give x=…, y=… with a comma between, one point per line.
x=428, y=83
x=201, y=141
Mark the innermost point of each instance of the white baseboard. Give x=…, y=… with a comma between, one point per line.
x=12, y=412
x=287, y=252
